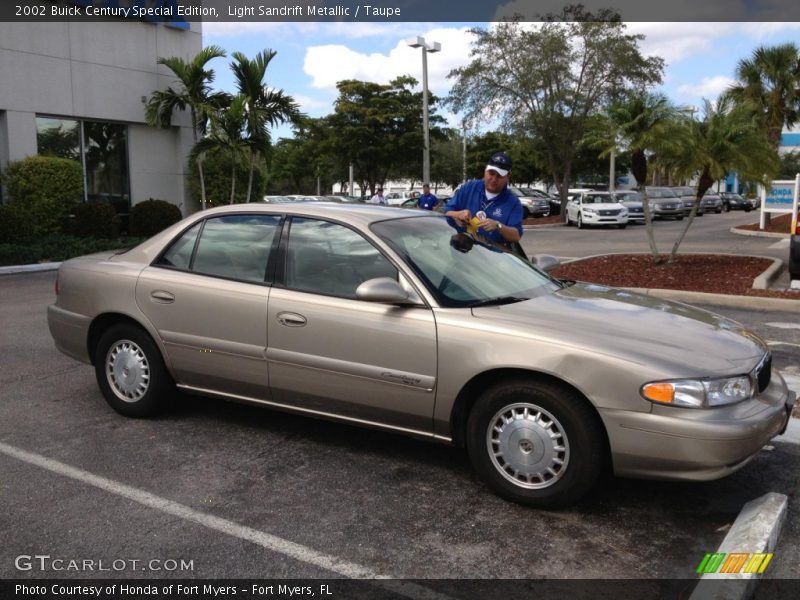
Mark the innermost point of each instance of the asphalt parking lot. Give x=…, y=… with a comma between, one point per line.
x=239, y=492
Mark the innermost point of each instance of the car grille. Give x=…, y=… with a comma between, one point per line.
x=608, y=213
x=763, y=372
x=669, y=206
x=635, y=210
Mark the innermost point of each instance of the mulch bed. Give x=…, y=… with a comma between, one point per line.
x=711, y=273
x=780, y=224
x=554, y=219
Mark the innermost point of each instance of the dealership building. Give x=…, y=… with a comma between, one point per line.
x=78, y=90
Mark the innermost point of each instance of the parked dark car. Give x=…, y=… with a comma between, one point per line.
x=731, y=201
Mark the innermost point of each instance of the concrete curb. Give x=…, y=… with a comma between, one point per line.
x=51, y=266
x=751, y=302
x=754, y=302
x=755, y=531
x=767, y=234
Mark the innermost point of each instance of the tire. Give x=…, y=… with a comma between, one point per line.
x=579, y=222
x=131, y=373
x=536, y=443
x=623, y=226
x=679, y=218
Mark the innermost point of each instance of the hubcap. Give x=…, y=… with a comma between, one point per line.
x=127, y=371
x=528, y=446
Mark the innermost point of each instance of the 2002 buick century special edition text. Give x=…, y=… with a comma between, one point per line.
x=383, y=317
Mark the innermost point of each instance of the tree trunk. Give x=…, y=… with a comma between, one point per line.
x=250, y=178
x=199, y=163
x=202, y=182
x=648, y=224
x=233, y=176
x=702, y=186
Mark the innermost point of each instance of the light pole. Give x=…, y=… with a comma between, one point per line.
x=420, y=42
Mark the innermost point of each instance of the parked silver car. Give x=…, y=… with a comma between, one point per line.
x=631, y=200
x=388, y=318
x=664, y=203
x=533, y=205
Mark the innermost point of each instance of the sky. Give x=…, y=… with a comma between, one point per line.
x=701, y=58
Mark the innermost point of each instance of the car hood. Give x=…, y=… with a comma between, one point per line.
x=603, y=205
x=681, y=339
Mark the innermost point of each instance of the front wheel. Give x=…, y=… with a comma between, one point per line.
x=622, y=226
x=580, y=221
x=536, y=443
x=131, y=373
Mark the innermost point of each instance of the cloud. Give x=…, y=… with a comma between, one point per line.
x=328, y=64
x=710, y=88
x=308, y=31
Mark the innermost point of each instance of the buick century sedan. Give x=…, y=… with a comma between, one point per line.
x=388, y=318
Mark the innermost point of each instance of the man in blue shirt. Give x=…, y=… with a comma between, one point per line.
x=498, y=211
x=427, y=200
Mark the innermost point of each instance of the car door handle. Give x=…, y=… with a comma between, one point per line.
x=291, y=319
x=162, y=297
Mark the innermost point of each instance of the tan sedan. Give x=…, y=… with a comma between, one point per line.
x=386, y=318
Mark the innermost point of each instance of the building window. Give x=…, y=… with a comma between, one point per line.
x=101, y=148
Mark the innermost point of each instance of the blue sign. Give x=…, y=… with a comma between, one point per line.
x=780, y=197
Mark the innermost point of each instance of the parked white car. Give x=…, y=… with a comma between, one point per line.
x=596, y=208
x=397, y=198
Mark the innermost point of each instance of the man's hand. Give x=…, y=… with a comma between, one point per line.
x=461, y=217
x=488, y=225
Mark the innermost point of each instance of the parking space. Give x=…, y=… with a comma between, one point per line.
x=247, y=492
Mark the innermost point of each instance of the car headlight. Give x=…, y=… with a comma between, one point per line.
x=699, y=393
x=589, y=210
x=623, y=212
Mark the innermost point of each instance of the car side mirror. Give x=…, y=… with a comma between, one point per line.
x=545, y=262
x=383, y=289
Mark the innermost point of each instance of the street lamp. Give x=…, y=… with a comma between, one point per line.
x=420, y=42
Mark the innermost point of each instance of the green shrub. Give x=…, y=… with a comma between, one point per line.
x=16, y=225
x=94, y=220
x=217, y=176
x=46, y=188
x=151, y=216
x=58, y=247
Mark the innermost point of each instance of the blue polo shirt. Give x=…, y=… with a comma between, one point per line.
x=427, y=201
x=504, y=208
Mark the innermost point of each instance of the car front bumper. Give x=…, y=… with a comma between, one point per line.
x=703, y=444
x=597, y=219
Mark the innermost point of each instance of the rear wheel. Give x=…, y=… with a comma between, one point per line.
x=536, y=443
x=131, y=373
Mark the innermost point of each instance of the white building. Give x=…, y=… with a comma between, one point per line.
x=79, y=90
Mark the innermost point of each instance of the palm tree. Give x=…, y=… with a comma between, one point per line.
x=726, y=139
x=226, y=133
x=265, y=107
x=641, y=122
x=193, y=92
x=770, y=81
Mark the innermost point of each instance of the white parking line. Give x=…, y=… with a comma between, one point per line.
x=779, y=325
x=260, y=538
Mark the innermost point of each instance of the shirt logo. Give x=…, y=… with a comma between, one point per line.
x=498, y=212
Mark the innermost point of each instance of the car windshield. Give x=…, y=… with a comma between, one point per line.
x=660, y=193
x=684, y=191
x=597, y=199
x=628, y=196
x=735, y=197
x=459, y=271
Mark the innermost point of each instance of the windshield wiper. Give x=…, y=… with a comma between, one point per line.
x=497, y=300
